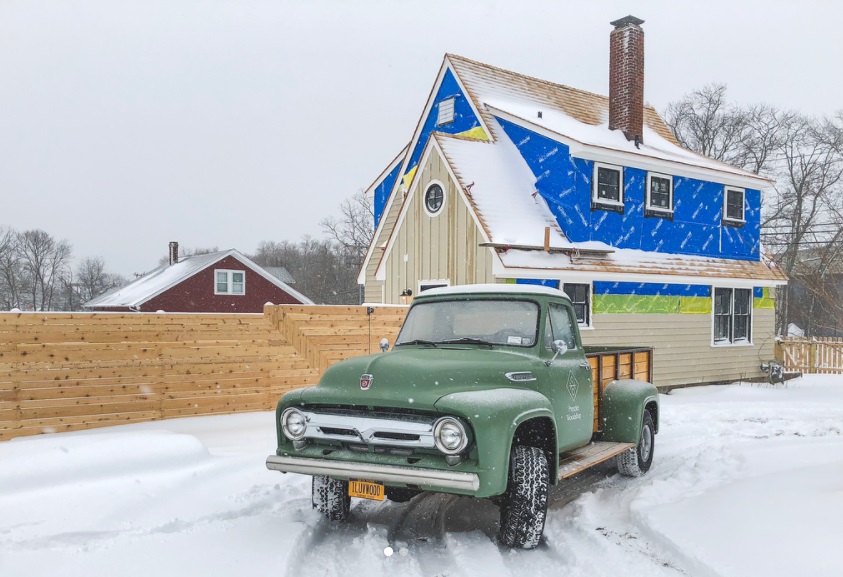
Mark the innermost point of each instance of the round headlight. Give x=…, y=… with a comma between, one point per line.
x=293, y=423
x=449, y=436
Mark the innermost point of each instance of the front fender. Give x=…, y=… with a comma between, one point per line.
x=623, y=409
x=494, y=416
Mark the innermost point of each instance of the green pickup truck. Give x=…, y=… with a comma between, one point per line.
x=487, y=392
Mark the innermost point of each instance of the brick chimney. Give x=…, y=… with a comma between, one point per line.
x=174, y=252
x=626, y=78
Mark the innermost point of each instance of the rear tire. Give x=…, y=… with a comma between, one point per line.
x=330, y=497
x=524, y=505
x=636, y=461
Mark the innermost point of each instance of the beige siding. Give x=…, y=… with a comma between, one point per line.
x=443, y=247
x=683, y=353
x=374, y=288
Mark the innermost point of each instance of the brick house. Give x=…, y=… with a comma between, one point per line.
x=219, y=282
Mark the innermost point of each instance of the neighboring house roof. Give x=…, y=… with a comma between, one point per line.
x=166, y=277
x=280, y=273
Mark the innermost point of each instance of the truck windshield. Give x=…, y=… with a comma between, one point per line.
x=492, y=322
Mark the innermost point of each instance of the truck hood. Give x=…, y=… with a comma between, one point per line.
x=417, y=377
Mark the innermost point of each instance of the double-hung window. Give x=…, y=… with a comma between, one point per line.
x=580, y=295
x=733, y=206
x=607, y=190
x=659, y=194
x=229, y=282
x=732, y=316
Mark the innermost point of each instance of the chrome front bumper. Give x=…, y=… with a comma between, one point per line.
x=384, y=473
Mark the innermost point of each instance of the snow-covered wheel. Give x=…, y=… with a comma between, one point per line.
x=524, y=506
x=330, y=497
x=636, y=461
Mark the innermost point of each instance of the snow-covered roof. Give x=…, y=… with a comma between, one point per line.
x=485, y=83
x=165, y=277
x=501, y=188
x=579, y=115
x=632, y=262
x=280, y=273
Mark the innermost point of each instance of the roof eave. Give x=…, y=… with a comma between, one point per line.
x=586, y=151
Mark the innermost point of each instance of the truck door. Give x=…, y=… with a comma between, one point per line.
x=570, y=377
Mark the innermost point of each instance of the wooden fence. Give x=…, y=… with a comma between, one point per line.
x=811, y=355
x=61, y=372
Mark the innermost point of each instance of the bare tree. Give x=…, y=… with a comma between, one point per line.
x=92, y=280
x=354, y=228
x=352, y=232
x=44, y=261
x=704, y=122
x=802, y=218
x=318, y=266
x=10, y=274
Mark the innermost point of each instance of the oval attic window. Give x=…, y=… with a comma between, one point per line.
x=433, y=198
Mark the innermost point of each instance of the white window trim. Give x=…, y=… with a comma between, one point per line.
x=743, y=343
x=439, y=120
x=230, y=282
x=668, y=177
x=590, y=324
x=444, y=198
x=594, y=183
x=726, y=190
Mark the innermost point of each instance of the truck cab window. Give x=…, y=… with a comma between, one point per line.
x=559, y=326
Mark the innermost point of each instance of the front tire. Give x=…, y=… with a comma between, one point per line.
x=636, y=461
x=524, y=505
x=330, y=497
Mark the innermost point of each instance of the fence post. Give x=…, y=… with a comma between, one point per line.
x=812, y=357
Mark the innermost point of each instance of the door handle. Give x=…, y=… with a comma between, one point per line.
x=585, y=365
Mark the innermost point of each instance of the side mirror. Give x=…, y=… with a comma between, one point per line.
x=384, y=345
x=559, y=347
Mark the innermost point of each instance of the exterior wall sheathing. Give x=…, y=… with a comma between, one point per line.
x=683, y=353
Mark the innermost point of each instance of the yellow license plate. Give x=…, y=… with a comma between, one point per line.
x=366, y=490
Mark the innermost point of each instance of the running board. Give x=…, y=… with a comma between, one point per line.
x=573, y=462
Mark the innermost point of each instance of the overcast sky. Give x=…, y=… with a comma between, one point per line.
x=125, y=124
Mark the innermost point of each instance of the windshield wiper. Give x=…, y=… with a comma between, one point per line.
x=468, y=341
x=416, y=342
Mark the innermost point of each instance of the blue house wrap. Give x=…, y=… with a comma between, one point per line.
x=632, y=258
x=696, y=226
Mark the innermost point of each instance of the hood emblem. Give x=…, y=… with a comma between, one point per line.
x=366, y=382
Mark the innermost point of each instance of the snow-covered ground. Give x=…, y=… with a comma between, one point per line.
x=747, y=480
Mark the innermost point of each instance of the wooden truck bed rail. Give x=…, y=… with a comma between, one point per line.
x=612, y=363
